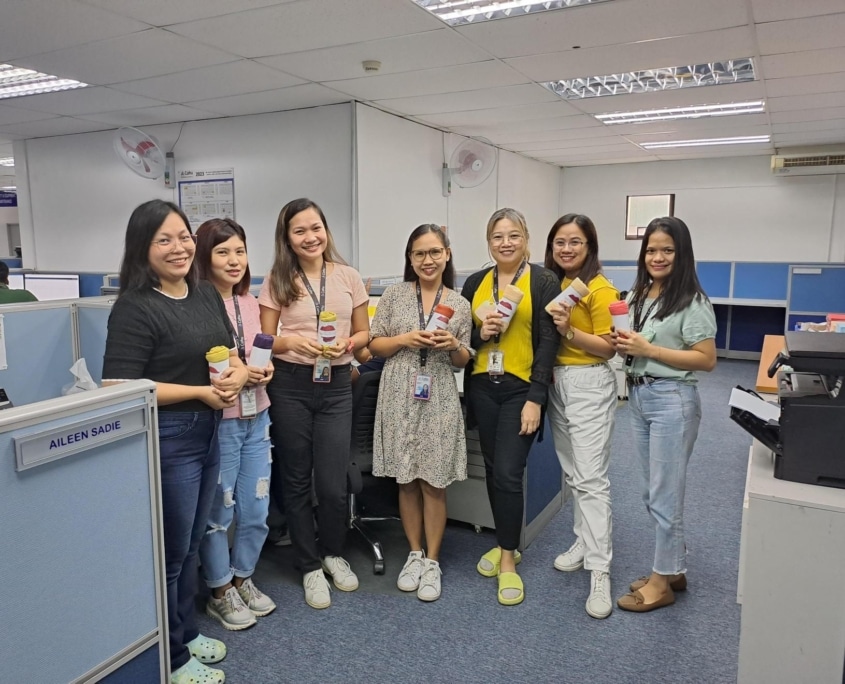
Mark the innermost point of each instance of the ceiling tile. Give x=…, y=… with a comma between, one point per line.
x=164, y=12
x=809, y=138
x=140, y=55
x=473, y=99
x=808, y=115
x=698, y=48
x=9, y=115
x=428, y=50
x=490, y=117
x=789, y=104
x=814, y=33
x=298, y=26
x=220, y=80
x=33, y=26
x=805, y=63
x=806, y=85
x=617, y=150
x=296, y=97
x=82, y=101
x=809, y=126
x=624, y=160
x=150, y=116
x=62, y=125
x=505, y=136
x=603, y=24
x=463, y=77
x=565, y=144
x=777, y=10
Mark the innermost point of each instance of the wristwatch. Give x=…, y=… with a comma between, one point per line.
x=569, y=334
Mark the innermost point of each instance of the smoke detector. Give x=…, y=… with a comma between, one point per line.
x=371, y=65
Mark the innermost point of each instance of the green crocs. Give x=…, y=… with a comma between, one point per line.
x=492, y=560
x=207, y=650
x=194, y=672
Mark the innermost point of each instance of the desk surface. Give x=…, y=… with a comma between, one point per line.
x=772, y=345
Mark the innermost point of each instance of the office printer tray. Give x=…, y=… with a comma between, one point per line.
x=767, y=432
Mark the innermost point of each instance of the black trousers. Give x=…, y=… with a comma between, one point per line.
x=311, y=433
x=498, y=410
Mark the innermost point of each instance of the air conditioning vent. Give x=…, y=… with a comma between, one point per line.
x=808, y=164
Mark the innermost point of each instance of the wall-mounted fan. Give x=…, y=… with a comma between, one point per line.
x=140, y=152
x=471, y=164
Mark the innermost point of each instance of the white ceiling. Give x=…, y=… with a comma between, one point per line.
x=159, y=61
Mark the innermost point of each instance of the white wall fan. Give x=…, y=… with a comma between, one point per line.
x=140, y=152
x=471, y=164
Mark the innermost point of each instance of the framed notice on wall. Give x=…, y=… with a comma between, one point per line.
x=207, y=194
x=642, y=209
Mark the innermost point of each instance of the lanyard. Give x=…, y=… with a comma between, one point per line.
x=639, y=321
x=516, y=277
x=423, y=320
x=319, y=304
x=240, y=338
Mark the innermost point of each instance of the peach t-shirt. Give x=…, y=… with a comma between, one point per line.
x=344, y=292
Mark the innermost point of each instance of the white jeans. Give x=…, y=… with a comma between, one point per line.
x=582, y=406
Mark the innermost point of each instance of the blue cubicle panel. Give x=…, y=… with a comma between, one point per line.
x=817, y=288
x=750, y=324
x=756, y=280
x=622, y=277
x=81, y=528
x=92, y=317
x=543, y=477
x=39, y=343
x=715, y=277
x=90, y=284
x=723, y=317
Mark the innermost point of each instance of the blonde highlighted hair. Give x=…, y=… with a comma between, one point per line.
x=517, y=219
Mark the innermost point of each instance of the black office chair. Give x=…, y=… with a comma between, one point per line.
x=364, y=400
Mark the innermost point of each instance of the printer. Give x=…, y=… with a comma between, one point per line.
x=808, y=438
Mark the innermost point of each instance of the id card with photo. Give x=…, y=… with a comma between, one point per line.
x=322, y=370
x=422, y=387
x=496, y=362
x=247, y=403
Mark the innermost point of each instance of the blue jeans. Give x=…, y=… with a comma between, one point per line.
x=664, y=419
x=189, y=455
x=243, y=491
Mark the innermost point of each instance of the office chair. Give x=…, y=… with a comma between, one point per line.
x=364, y=399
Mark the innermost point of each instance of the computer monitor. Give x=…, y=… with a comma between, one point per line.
x=52, y=286
x=16, y=281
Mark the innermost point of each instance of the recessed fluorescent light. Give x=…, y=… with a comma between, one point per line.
x=7, y=161
x=739, y=140
x=458, y=12
x=9, y=188
x=692, y=112
x=652, y=80
x=16, y=82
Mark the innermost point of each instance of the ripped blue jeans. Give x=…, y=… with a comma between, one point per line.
x=243, y=495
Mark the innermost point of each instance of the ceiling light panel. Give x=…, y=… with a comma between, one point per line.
x=463, y=12
x=706, y=142
x=7, y=161
x=16, y=82
x=654, y=80
x=692, y=112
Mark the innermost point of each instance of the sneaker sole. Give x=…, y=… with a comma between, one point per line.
x=569, y=568
x=341, y=588
x=409, y=589
x=318, y=606
x=231, y=626
x=263, y=613
x=599, y=616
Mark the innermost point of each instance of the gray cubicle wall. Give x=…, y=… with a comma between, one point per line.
x=92, y=317
x=40, y=343
x=80, y=538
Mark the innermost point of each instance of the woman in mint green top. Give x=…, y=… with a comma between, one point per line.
x=672, y=334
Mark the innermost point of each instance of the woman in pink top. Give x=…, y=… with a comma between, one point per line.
x=244, y=484
x=311, y=391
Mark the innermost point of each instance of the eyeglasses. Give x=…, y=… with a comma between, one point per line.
x=572, y=244
x=498, y=239
x=168, y=243
x=419, y=255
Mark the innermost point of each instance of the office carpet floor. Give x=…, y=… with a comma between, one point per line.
x=379, y=634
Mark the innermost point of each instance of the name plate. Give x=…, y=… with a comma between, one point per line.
x=43, y=447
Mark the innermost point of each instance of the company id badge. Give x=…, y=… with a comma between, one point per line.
x=322, y=370
x=247, y=403
x=496, y=362
x=422, y=387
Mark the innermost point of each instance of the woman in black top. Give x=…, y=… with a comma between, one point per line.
x=161, y=326
x=508, y=383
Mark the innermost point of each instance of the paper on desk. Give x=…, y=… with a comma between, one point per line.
x=746, y=401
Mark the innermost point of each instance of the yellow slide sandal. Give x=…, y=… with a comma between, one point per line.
x=511, y=591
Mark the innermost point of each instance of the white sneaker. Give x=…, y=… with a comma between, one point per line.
x=256, y=600
x=598, y=603
x=572, y=559
x=409, y=578
x=340, y=572
x=430, y=581
x=317, y=591
x=230, y=610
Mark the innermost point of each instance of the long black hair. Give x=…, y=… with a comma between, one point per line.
x=681, y=285
x=212, y=233
x=448, y=270
x=135, y=270
x=592, y=265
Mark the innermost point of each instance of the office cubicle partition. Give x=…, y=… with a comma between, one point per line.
x=81, y=537
x=92, y=318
